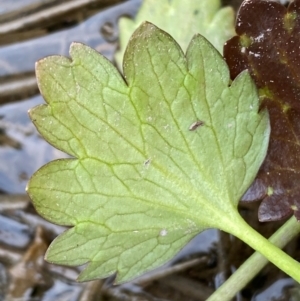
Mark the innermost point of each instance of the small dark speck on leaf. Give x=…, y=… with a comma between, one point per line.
x=147, y=162
x=195, y=125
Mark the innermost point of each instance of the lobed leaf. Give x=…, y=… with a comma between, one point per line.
x=160, y=155
x=267, y=45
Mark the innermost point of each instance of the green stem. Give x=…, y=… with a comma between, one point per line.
x=256, y=262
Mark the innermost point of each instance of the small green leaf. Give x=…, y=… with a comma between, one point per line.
x=182, y=19
x=159, y=157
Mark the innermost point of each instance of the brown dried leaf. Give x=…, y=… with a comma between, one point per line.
x=268, y=43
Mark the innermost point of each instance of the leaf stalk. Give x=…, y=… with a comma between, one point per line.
x=256, y=262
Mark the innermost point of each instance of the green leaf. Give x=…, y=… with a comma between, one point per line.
x=182, y=19
x=159, y=157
